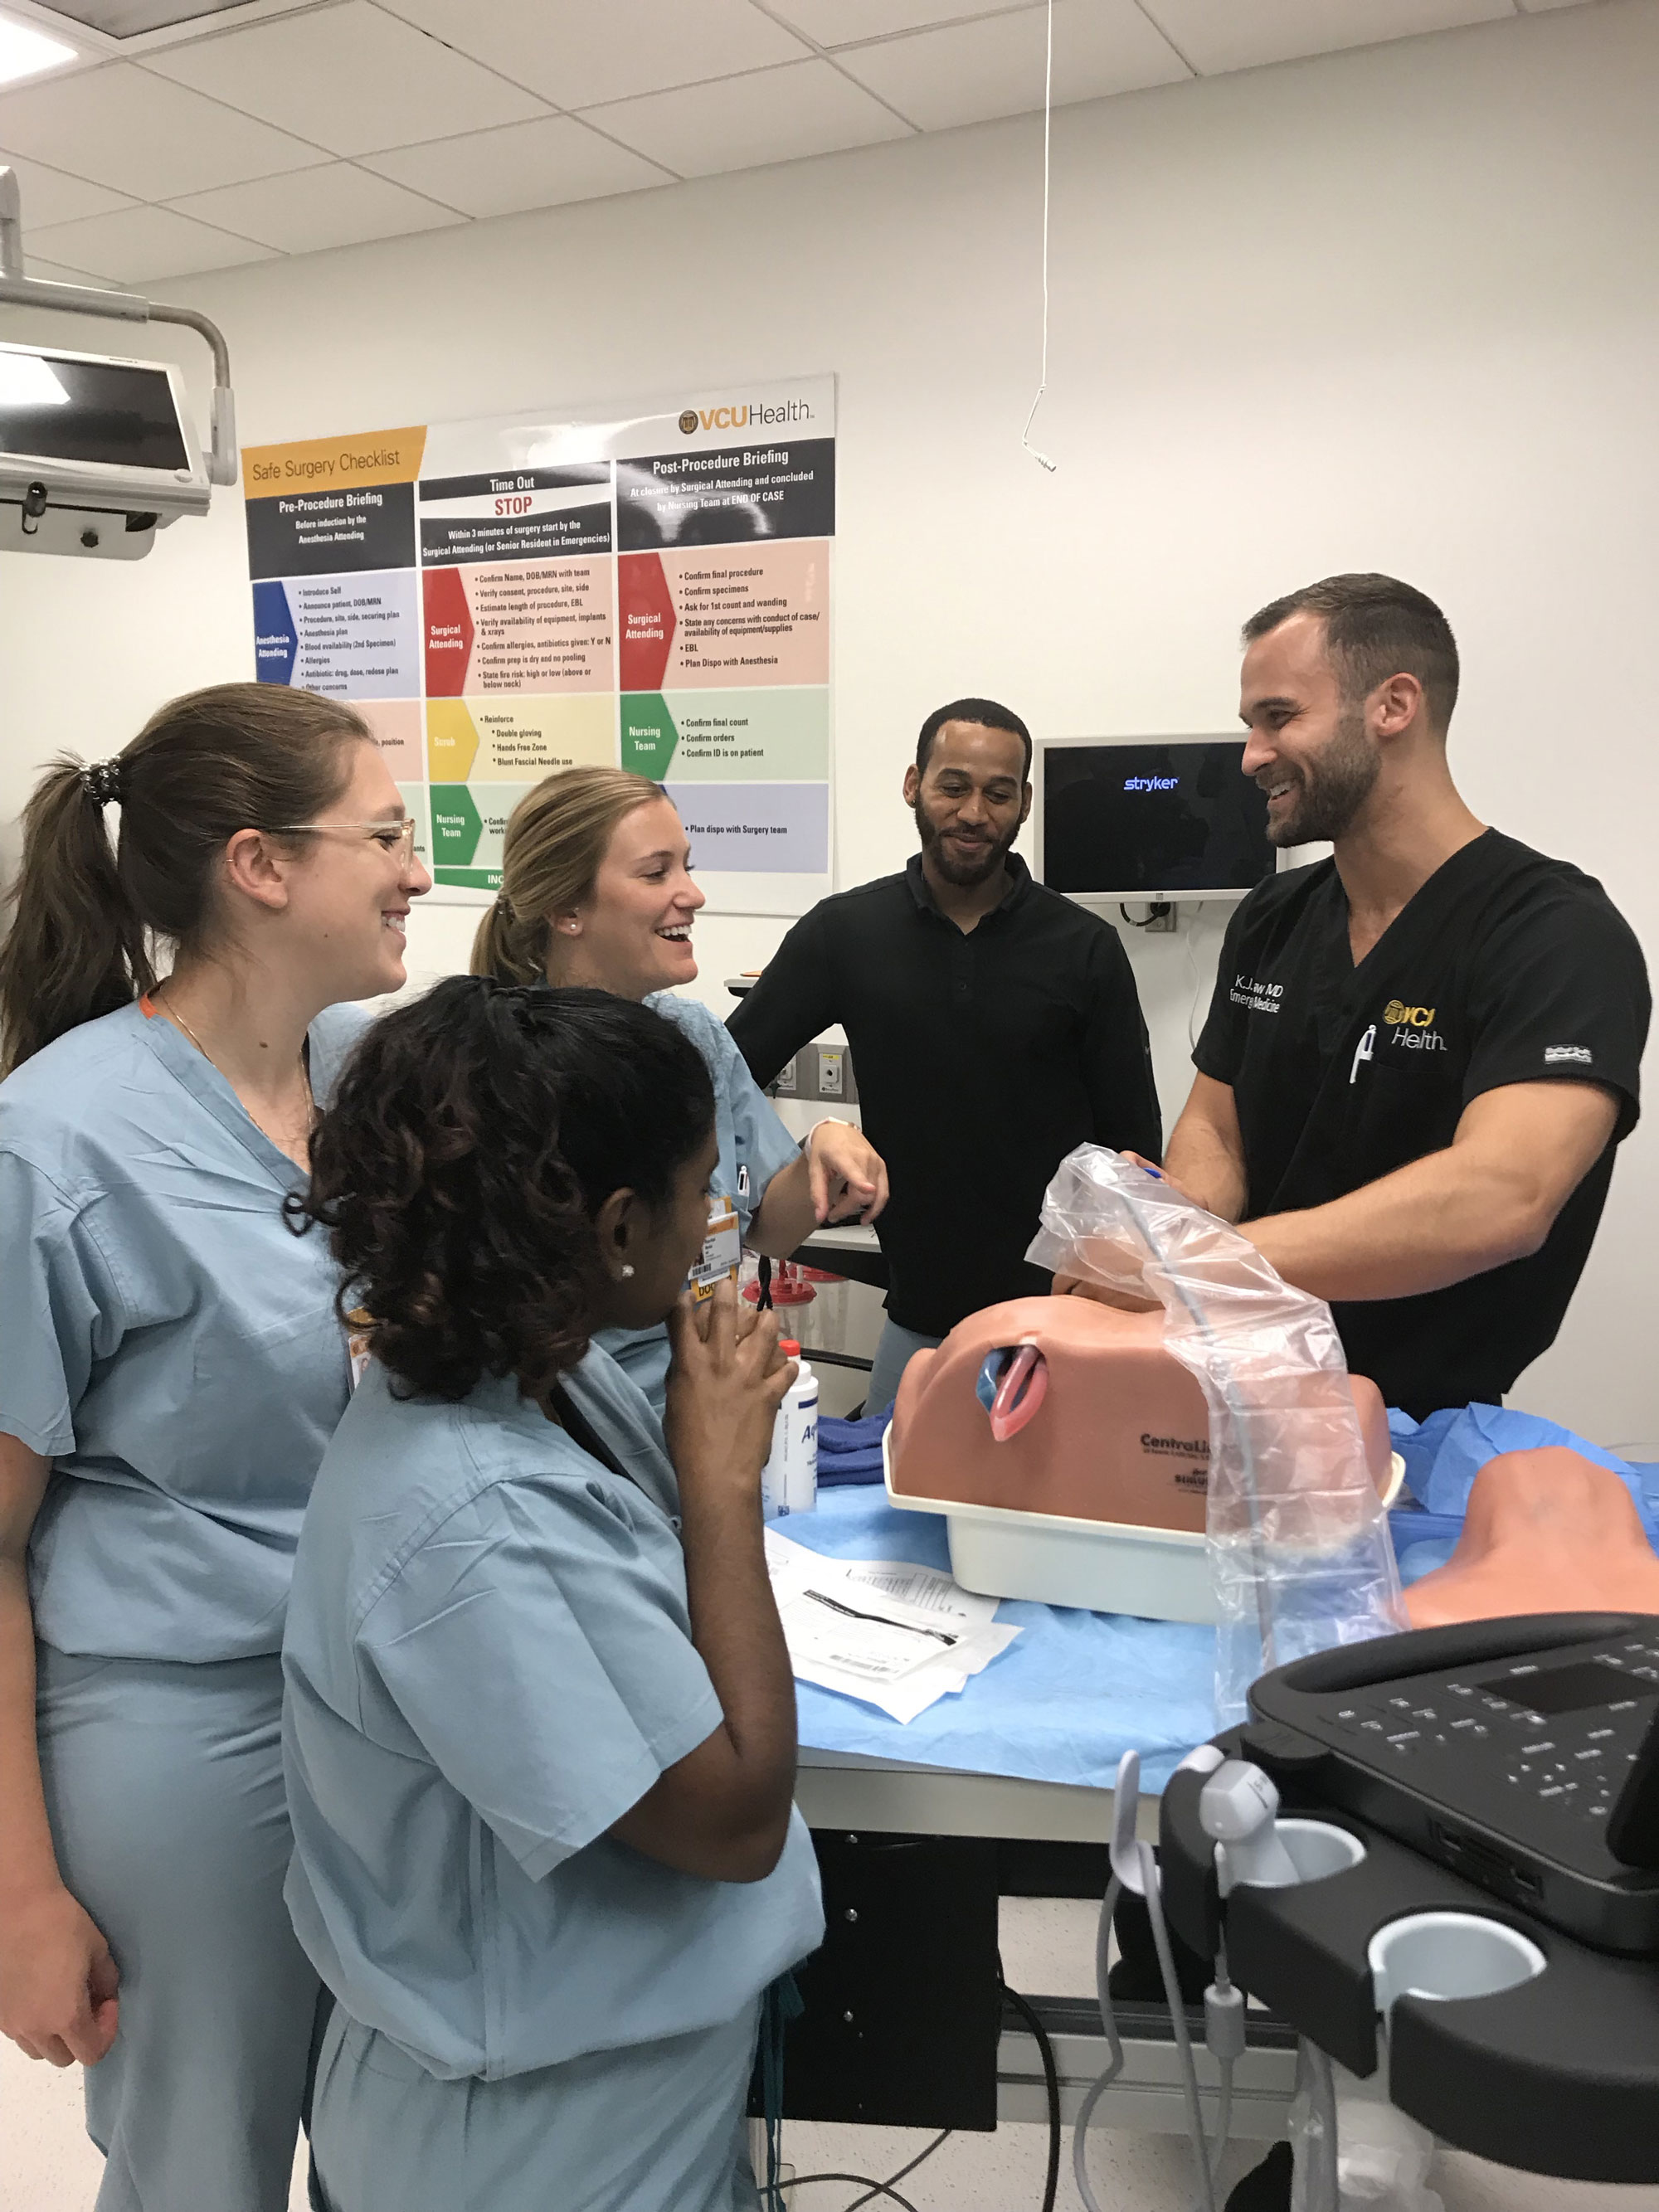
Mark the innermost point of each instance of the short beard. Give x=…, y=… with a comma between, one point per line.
x=963, y=877
x=1333, y=788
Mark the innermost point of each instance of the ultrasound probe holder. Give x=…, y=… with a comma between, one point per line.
x=1558, y=2073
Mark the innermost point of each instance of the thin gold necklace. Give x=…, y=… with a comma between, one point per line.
x=304, y=1078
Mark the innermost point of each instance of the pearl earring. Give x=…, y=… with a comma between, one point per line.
x=626, y=1268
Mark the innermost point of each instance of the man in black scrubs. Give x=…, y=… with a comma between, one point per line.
x=1422, y=1053
x=995, y=1026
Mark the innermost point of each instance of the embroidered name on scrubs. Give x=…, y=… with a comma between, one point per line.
x=1258, y=998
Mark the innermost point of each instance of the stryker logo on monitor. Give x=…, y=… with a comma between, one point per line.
x=1150, y=818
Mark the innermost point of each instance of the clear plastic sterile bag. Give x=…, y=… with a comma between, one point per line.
x=1298, y=1538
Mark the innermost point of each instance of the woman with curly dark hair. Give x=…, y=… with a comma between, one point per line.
x=540, y=1732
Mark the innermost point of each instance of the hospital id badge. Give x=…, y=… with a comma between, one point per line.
x=359, y=1325
x=722, y=1251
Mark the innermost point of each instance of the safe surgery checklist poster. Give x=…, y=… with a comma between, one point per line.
x=505, y=597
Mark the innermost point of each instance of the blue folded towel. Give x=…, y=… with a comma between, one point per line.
x=850, y=1451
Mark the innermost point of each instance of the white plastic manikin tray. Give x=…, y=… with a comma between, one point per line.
x=1104, y=1566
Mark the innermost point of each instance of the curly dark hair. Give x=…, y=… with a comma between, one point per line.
x=470, y=1140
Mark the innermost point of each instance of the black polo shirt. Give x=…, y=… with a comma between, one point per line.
x=1505, y=968
x=981, y=1059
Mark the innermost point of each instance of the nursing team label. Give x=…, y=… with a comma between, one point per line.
x=505, y=598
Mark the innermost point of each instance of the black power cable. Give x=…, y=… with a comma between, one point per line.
x=1051, y=2082
x=860, y=2181
x=939, y=2140
x=874, y=2189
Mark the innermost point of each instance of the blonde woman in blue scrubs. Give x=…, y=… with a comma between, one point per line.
x=541, y=1726
x=597, y=890
x=171, y=1367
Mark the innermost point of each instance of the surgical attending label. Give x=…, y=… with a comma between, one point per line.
x=722, y=1250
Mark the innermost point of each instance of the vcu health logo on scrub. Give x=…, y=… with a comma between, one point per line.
x=1412, y=1027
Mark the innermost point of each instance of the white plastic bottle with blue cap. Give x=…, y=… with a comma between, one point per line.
x=789, y=1480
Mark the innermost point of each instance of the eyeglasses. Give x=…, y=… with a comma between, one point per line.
x=396, y=836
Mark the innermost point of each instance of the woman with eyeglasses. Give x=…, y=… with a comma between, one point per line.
x=171, y=1369
x=597, y=890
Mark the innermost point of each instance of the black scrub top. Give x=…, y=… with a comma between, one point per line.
x=1506, y=967
x=983, y=1057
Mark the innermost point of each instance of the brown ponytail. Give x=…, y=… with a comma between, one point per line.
x=555, y=839
x=235, y=756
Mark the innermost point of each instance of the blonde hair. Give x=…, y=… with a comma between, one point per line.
x=557, y=837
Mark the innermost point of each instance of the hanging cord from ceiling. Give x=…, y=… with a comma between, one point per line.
x=1041, y=458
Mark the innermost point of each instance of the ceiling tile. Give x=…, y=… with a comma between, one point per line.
x=776, y=115
x=56, y=273
x=578, y=52
x=353, y=78
x=846, y=22
x=52, y=196
x=526, y=164
x=140, y=244
x=995, y=65
x=136, y=133
x=339, y=205
x=1217, y=35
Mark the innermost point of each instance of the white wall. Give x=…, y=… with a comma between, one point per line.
x=1394, y=309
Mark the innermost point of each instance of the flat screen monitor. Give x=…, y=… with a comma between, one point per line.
x=1150, y=818
x=68, y=407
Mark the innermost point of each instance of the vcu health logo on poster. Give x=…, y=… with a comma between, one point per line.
x=689, y=422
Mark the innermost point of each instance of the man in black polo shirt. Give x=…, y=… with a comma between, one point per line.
x=1422, y=1053
x=994, y=1024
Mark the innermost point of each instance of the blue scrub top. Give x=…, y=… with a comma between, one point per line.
x=752, y=1138
x=165, y=1340
x=489, y=1661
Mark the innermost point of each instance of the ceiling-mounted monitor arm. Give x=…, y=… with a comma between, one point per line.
x=19, y=290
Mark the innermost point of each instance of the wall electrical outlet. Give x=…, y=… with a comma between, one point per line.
x=816, y=1071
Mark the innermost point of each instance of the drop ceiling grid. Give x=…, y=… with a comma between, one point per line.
x=201, y=129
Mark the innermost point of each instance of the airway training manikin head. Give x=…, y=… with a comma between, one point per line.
x=507, y=1169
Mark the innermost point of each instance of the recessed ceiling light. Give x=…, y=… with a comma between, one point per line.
x=25, y=51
